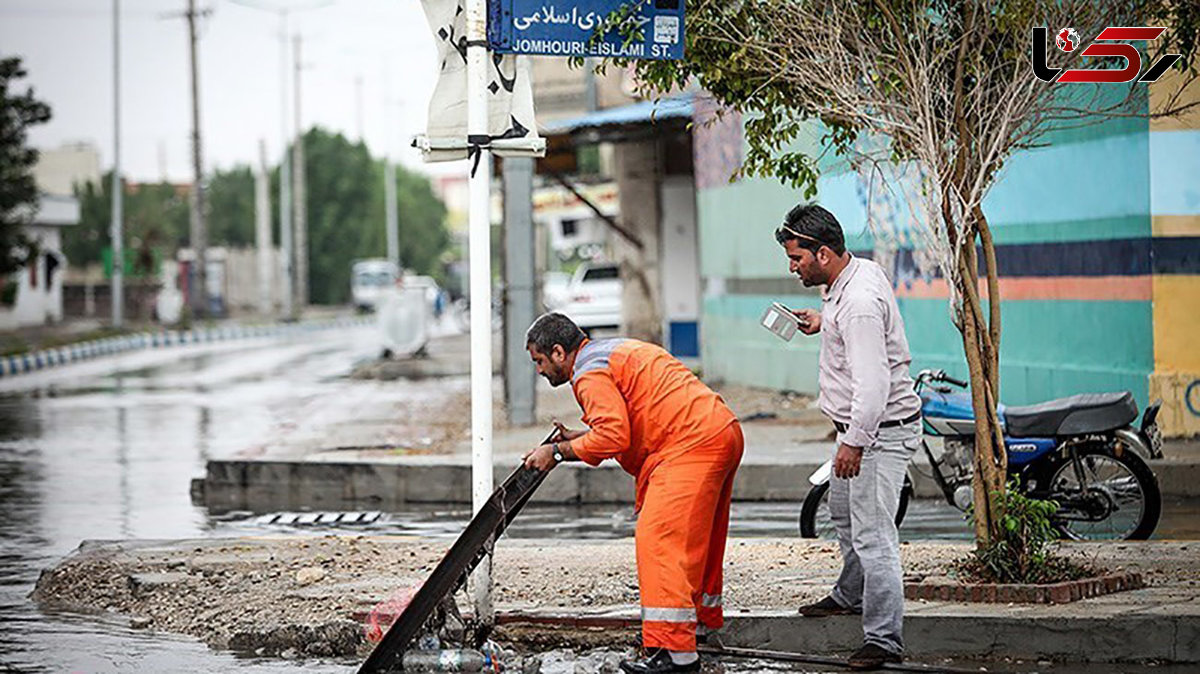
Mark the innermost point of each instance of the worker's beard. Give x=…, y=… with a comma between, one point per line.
x=556, y=378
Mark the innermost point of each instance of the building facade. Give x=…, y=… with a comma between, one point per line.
x=1100, y=269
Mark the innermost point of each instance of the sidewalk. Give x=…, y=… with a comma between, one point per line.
x=314, y=593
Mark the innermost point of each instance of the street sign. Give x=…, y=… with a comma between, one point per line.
x=566, y=27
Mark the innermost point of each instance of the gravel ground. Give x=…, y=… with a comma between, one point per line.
x=275, y=595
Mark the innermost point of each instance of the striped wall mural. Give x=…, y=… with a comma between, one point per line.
x=1100, y=272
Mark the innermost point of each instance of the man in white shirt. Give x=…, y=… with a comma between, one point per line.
x=868, y=394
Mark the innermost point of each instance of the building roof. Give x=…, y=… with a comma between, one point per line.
x=644, y=113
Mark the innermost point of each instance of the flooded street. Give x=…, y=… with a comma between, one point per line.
x=106, y=450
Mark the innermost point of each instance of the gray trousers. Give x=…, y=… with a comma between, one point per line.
x=863, y=510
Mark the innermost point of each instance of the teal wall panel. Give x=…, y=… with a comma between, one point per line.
x=1049, y=349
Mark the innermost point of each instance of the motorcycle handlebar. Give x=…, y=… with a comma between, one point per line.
x=940, y=375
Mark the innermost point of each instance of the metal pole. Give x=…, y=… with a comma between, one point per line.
x=479, y=235
x=198, y=233
x=262, y=230
x=358, y=106
x=520, y=295
x=391, y=216
x=285, y=178
x=116, y=233
x=300, y=236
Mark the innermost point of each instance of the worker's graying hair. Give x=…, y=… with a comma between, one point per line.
x=554, y=328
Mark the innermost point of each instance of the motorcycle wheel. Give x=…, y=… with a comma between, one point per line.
x=1123, y=502
x=814, y=514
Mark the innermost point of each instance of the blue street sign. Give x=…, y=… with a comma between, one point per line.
x=566, y=27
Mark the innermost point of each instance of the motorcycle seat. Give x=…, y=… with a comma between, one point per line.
x=1074, y=415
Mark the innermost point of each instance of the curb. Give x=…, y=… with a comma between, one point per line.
x=955, y=631
x=992, y=593
x=65, y=355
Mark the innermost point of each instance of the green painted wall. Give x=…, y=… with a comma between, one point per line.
x=1050, y=348
x=1040, y=357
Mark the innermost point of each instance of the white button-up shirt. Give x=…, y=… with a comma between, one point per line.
x=864, y=361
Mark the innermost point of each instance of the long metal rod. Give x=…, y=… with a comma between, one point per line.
x=480, y=253
x=116, y=227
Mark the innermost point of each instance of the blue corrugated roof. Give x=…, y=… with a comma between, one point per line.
x=643, y=112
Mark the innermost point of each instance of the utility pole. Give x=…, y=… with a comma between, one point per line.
x=262, y=231
x=198, y=231
x=116, y=227
x=300, y=236
x=391, y=216
x=287, y=225
x=288, y=292
x=358, y=106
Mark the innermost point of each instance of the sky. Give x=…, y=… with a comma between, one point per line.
x=67, y=49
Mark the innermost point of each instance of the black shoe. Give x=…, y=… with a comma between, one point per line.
x=658, y=663
x=872, y=656
x=825, y=607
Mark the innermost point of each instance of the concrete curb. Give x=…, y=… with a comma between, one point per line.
x=47, y=358
x=943, y=630
x=262, y=485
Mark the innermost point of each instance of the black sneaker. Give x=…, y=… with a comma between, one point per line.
x=872, y=656
x=658, y=663
x=826, y=607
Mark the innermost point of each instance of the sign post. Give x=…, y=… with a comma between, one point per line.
x=653, y=29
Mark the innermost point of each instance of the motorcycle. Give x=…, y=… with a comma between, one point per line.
x=1083, y=452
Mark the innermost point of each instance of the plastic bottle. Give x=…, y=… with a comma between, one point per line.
x=449, y=660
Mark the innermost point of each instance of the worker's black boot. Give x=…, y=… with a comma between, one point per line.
x=657, y=663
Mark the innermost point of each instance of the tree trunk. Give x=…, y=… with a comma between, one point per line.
x=981, y=348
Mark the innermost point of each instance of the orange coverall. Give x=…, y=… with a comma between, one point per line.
x=683, y=444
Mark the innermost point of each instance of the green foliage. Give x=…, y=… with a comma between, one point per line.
x=1024, y=550
x=345, y=202
x=155, y=223
x=18, y=191
x=345, y=197
x=740, y=52
x=230, y=198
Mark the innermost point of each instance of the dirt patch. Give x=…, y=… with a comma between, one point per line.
x=269, y=595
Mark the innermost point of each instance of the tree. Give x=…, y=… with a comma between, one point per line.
x=18, y=191
x=346, y=215
x=156, y=223
x=230, y=196
x=940, y=87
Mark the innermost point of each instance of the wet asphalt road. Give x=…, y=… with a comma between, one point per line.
x=106, y=450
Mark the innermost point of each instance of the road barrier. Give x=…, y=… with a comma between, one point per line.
x=33, y=361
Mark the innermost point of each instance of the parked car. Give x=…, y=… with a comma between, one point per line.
x=370, y=280
x=555, y=285
x=594, y=296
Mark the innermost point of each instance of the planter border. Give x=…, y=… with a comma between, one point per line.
x=942, y=589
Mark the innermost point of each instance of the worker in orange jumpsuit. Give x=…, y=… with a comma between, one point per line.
x=682, y=444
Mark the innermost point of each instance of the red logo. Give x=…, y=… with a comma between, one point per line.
x=1067, y=39
x=1116, y=38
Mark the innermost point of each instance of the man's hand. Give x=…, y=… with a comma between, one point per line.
x=565, y=433
x=847, y=462
x=810, y=320
x=541, y=458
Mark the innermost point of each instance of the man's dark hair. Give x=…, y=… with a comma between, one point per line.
x=811, y=227
x=554, y=328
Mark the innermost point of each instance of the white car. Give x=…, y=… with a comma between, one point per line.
x=555, y=286
x=593, y=298
x=370, y=281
